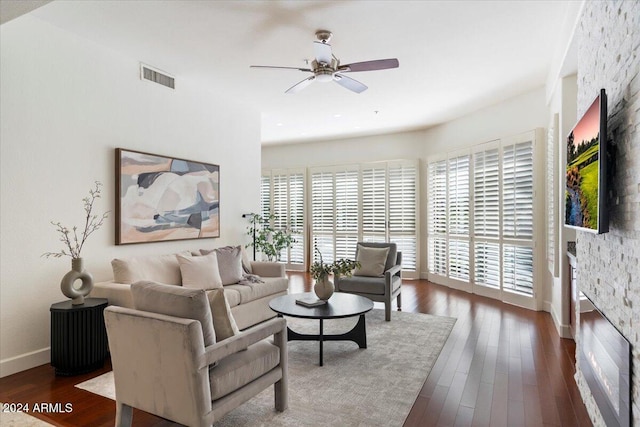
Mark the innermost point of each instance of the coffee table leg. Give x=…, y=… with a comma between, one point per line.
x=321, y=340
x=358, y=335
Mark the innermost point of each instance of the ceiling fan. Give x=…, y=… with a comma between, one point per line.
x=326, y=67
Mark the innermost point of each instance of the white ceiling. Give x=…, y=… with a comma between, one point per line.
x=455, y=57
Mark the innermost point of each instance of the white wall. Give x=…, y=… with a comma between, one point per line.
x=511, y=117
x=394, y=146
x=563, y=103
x=66, y=104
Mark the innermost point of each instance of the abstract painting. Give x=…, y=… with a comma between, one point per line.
x=162, y=198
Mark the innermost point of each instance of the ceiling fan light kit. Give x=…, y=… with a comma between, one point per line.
x=326, y=67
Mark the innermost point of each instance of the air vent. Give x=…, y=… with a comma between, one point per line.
x=156, y=76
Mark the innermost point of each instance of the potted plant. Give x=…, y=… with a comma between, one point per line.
x=266, y=239
x=320, y=272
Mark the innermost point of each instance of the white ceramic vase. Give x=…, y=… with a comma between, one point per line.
x=67, y=284
x=324, y=288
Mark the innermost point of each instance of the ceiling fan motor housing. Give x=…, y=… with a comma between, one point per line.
x=324, y=73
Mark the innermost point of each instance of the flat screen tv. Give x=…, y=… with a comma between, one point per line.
x=586, y=172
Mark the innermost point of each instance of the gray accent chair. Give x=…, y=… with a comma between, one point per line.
x=161, y=366
x=381, y=289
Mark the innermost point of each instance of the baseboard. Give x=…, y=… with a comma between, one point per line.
x=25, y=361
x=563, y=330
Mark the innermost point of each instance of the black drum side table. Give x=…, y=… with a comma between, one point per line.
x=78, y=336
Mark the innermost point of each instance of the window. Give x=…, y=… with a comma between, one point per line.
x=437, y=217
x=481, y=218
x=448, y=217
x=374, y=202
x=458, y=217
x=346, y=196
x=403, y=212
x=486, y=215
x=322, y=214
x=282, y=193
x=517, y=223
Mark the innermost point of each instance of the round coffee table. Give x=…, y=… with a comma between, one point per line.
x=340, y=305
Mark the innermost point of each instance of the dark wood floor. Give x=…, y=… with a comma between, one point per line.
x=501, y=366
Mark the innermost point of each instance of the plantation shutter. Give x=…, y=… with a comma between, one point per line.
x=486, y=194
x=296, y=217
x=282, y=194
x=437, y=217
x=517, y=191
x=403, y=211
x=280, y=204
x=517, y=223
x=458, y=217
x=322, y=214
x=265, y=195
x=280, y=201
x=346, y=213
x=374, y=205
x=480, y=219
x=486, y=215
x=517, y=268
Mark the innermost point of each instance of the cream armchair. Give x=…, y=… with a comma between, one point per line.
x=161, y=364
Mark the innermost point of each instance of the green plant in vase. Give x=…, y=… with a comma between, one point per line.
x=320, y=271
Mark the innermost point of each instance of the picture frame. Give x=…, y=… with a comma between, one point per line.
x=161, y=198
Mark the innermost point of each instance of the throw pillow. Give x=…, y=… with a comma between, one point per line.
x=157, y=268
x=372, y=261
x=229, y=263
x=175, y=301
x=200, y=271
x=223, y=322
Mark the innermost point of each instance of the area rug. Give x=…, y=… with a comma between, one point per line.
x=376, y=386
x=20, y=419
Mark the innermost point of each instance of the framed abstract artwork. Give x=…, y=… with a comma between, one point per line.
x=161, y=198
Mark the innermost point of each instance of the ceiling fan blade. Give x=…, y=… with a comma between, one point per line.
x=300, y=85
x=379, y=64
x=283, y=68
x=323, y=52
x=349, y=83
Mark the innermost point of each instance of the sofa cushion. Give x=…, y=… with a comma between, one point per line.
x=238, y=370
x=372, y=261
x=366, y=285
x=155, y=268
x=175, y=301
x=253, y=291
x=223, y=322
x=200, y=271
x=229, y=263
x=232, y=295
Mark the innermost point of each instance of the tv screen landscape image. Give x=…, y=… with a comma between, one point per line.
x=586, y=170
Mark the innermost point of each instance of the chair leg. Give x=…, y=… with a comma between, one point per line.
x=281, y=388
x=387, y=311
x=124, y=415
x=399, y=299
x=281, y=394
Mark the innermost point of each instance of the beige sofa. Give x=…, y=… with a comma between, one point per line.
x=249, y=301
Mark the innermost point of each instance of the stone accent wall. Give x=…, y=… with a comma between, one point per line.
x=609, y=264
